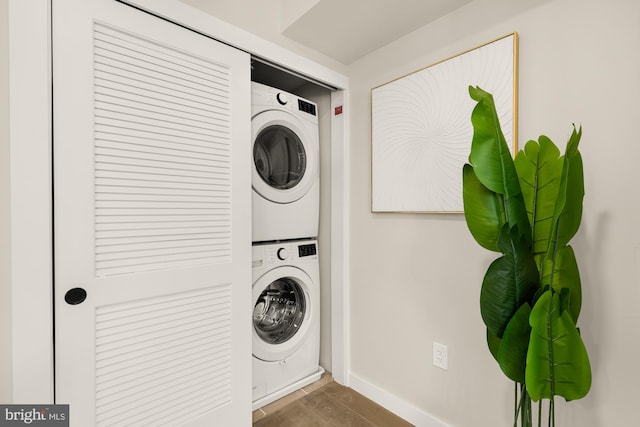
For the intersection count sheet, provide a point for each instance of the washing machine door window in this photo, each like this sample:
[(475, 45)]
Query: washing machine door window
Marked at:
[(285, 156), (279, 157), (279, 311), (282, 312)]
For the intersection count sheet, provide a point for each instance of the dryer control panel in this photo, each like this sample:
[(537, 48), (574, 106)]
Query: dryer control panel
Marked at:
[(265, 98)]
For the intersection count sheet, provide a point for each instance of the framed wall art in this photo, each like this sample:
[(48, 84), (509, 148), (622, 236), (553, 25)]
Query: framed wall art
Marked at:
[(421, 127)]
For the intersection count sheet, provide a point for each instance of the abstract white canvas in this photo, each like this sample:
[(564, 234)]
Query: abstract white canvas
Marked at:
[(421, 127)]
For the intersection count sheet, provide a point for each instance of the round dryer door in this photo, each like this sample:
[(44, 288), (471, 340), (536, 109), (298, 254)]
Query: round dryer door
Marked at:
[(281, 313), (284, 156)]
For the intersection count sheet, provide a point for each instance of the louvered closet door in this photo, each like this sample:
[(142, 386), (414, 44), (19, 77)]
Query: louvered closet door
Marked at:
[(152, 156)]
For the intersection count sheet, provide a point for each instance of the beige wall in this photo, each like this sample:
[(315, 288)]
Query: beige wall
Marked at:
[(5, 255), (416, 279)]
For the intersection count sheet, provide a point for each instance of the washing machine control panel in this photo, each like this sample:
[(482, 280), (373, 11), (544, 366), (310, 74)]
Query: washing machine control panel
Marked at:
[(289, 252)]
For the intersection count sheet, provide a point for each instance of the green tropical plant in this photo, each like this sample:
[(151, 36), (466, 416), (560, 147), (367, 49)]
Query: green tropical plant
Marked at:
[(528, 209)]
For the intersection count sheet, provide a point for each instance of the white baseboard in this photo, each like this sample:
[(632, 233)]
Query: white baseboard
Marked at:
[(394, 404)]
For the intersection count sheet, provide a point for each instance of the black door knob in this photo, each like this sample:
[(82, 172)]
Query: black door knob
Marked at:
[(75, 296)]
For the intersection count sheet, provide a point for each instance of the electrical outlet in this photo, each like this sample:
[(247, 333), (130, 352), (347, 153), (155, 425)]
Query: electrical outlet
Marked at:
[(440, 357)]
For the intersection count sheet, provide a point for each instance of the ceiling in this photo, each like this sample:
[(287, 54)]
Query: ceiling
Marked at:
[(347, 30), (344, 30)]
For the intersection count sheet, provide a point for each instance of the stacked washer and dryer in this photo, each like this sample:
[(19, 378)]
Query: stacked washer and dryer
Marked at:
[(286, 274)]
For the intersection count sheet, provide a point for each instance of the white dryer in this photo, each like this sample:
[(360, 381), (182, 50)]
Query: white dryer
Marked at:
[(285, 178), (286, 318)]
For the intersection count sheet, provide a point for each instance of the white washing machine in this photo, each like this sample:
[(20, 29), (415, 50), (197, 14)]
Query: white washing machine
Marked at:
[(286, 319), (285, 178)]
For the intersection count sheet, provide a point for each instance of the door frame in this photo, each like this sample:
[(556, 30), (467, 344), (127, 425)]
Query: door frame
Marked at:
[(31, 201), (31, 183)]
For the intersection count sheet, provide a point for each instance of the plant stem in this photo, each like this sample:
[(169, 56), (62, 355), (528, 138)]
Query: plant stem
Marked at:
[(517, 404), (523, 407), (515, 400), (540, 414), (526, 421), (552, 415)]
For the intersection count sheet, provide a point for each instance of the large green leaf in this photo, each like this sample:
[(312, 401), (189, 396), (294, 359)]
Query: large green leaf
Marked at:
[(510, 281), (512, 353), (557, 361), (562, 272), (492, 160), (568, 210), (490, 155), (539, 168), (483, 210), (493, 342)]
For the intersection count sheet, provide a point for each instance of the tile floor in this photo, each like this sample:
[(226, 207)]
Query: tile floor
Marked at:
[(325, 403)]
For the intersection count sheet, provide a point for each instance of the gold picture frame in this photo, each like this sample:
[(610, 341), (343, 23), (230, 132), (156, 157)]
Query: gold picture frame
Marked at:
[(421, 127)]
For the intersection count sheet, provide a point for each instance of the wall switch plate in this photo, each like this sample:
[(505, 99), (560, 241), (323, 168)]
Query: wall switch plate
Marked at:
[(440, 357)]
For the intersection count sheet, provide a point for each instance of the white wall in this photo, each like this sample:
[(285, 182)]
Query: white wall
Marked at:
[(5, 231), (416, 279)]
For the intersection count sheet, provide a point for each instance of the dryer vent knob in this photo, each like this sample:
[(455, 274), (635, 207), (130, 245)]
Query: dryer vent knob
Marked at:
[(282, 98)]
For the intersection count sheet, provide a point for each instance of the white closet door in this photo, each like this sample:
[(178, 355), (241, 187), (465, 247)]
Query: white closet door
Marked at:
[(151, 148)]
